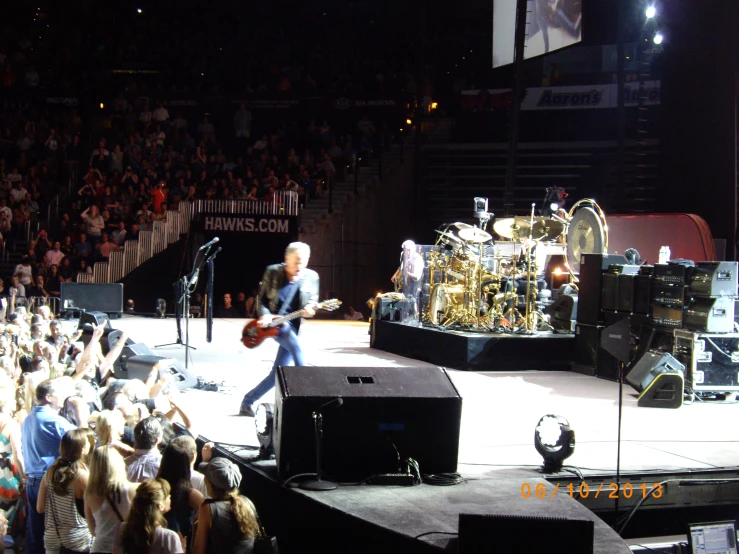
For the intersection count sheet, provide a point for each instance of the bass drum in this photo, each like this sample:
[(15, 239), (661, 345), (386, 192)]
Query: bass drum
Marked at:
[(444, 298)]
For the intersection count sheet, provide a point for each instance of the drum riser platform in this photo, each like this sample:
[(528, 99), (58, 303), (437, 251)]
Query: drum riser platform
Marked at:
[(476, 351)]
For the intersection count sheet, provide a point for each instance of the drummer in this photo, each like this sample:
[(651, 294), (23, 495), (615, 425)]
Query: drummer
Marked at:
[(517, 278), (410, 272)]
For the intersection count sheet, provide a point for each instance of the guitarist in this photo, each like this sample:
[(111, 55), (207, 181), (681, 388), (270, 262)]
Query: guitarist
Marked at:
[(285, 288)]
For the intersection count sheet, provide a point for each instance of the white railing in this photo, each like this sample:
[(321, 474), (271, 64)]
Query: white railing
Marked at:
[(176, 223)]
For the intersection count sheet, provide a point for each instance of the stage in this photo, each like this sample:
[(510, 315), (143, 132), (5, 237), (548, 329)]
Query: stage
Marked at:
[(479, 351), (496, 451)]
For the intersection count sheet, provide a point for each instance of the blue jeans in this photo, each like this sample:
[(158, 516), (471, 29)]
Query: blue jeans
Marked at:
[(35, 534), (289, 353)]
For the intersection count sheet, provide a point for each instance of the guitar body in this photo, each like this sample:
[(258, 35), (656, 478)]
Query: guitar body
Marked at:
[(252, 336)]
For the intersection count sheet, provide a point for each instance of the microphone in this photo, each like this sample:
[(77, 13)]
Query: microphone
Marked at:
[(209, 244)]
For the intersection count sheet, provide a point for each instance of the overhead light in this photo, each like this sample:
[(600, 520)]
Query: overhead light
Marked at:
[(408, 122), (138, 10), (161, 307), (102, 105), (651, 12), (434, 105), (264, 422), (555, 441), (658, 38)]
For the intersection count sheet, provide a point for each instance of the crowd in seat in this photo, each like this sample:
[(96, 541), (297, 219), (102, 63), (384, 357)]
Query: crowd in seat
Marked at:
[(92, 463)]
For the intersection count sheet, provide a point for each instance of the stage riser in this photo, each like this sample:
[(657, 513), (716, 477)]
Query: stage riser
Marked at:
[(476, 351)]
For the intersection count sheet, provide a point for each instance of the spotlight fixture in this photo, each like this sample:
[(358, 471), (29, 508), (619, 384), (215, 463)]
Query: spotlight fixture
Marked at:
[(161, 307), (651, 12), (658, 38), (555, 441), (264, 422)]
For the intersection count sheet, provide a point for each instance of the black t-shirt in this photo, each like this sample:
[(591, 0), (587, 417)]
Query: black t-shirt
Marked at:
[(221, 311)]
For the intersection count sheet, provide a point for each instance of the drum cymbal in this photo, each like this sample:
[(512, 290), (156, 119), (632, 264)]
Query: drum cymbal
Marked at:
[(547, 229), (475, 235), (449, 236), (512, 227)]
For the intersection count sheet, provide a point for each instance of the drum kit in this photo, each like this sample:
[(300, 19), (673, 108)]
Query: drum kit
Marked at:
[(473, 285)]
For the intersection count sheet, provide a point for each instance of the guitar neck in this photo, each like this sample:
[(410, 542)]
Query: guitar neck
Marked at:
[(282, 319)]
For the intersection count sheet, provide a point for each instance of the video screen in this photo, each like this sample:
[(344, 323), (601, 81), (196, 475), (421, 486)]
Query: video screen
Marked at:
[(713, 538), (550, 25)]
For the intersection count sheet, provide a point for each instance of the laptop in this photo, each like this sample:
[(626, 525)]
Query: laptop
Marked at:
[(718, 537)]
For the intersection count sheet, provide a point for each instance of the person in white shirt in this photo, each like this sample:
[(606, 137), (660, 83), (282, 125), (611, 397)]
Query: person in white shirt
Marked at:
[(144, 462), (54, 256), (160, 114), (353, 315)]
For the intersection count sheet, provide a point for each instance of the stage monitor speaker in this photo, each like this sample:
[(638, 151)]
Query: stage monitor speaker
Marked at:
[(563, 312), (140, 366), (114, 335), (95, 318), (104, 297), (512, 534), (387, 416), (660, 380), (130, 350), (590, 285)]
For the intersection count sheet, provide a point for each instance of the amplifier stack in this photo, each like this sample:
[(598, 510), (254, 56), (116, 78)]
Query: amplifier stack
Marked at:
[(684, 309)]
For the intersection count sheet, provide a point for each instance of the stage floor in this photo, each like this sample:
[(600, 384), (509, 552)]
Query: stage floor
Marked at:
[(496, 450), (500, 409)]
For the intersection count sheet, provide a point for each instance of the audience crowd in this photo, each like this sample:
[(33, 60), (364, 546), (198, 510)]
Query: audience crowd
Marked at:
[(97, 464)]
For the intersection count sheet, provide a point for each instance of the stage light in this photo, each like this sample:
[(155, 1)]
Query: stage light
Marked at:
[(138, 10), (264, 422), (554, 440), (658, 38), (102, 105), (408, 122), (434, 105), (651, 12), (161, 307)]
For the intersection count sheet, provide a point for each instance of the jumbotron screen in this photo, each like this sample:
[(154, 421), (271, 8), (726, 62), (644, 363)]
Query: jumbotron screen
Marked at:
[(550, 25)]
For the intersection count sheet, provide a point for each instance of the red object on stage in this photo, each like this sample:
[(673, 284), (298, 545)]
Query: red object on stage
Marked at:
[(687, 235)]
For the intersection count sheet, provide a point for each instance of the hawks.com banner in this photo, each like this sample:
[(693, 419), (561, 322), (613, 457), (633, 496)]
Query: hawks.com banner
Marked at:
[(220, 223)]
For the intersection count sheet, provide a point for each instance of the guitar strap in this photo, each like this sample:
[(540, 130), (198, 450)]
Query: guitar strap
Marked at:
[(288, 301)]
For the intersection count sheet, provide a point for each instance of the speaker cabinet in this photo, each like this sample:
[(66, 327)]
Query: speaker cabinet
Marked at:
[(103, 297), (592, 266), (387, 415), (137, 360), (590, 357), (660, 380)]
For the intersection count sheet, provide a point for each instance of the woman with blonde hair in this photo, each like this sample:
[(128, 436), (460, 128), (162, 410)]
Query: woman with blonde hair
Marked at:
[(109, 430), (61, 497), (108, 497), (227, 522), (145, 530)]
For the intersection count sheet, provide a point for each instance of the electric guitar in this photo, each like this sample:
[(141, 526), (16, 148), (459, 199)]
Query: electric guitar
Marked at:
[(252, 336)]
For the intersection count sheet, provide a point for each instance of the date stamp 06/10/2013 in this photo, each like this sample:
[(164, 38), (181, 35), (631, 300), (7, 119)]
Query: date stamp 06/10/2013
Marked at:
[(595, 490)]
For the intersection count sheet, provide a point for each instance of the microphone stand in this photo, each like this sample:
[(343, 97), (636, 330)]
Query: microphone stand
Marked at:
[(319, 484), (181, 285), (188, 283)]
